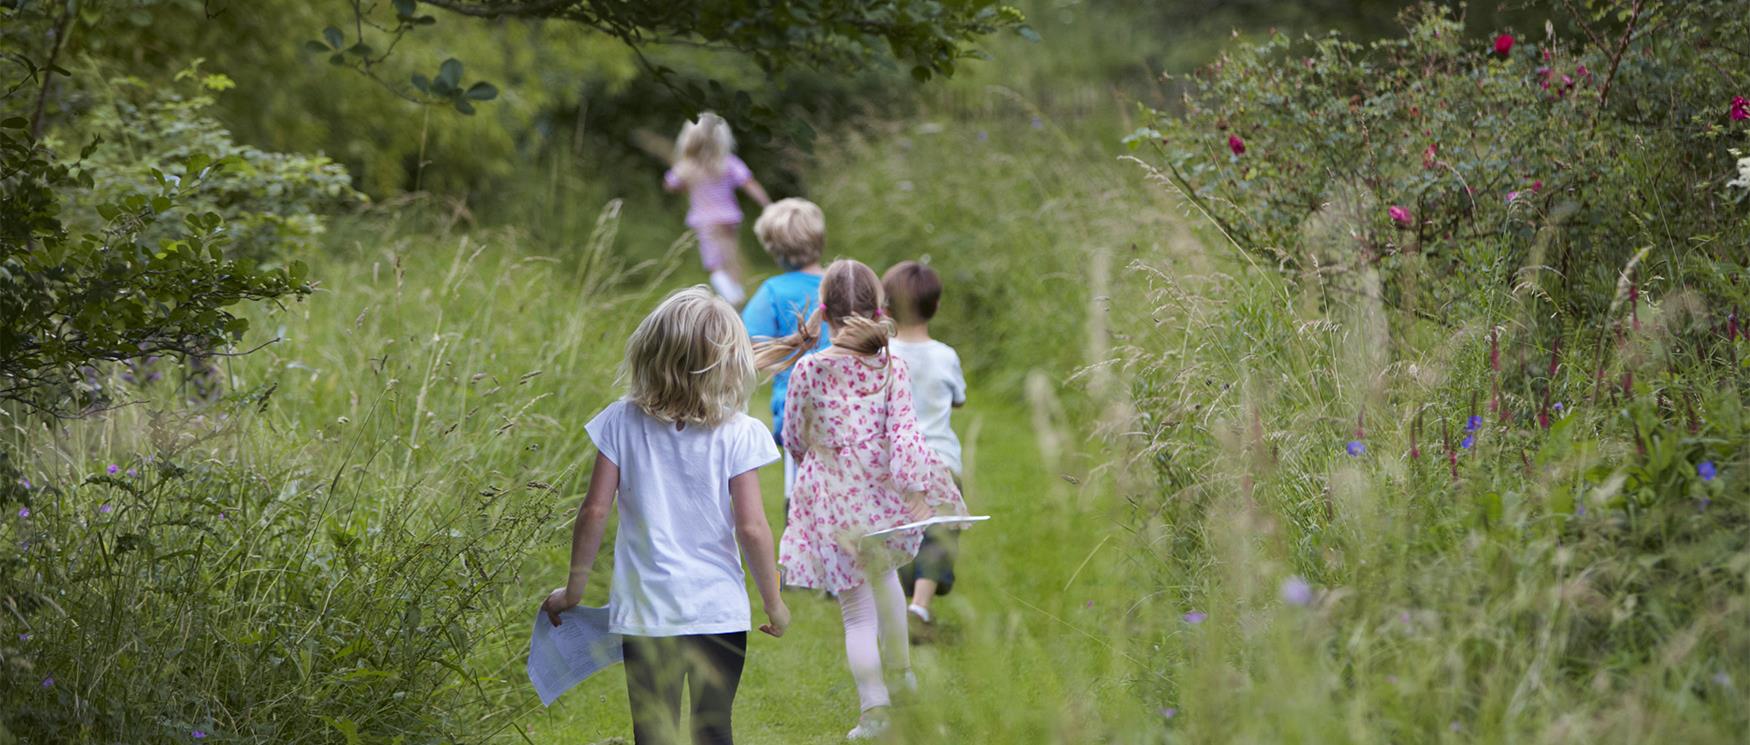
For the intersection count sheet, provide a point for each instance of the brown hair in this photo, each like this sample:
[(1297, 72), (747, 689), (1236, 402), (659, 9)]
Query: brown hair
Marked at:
[(690, 360), (913, 290), (851, 298)]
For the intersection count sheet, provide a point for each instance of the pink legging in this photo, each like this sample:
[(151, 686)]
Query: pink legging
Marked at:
[(875, 632)]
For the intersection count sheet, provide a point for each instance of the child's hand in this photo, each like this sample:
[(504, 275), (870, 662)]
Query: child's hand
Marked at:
[(777, 620), (917, 508), (558, 601)]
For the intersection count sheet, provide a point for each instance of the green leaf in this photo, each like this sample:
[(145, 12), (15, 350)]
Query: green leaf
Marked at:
[(90, 147), (16, 122), (464, 106), (404, 8), (449, 74), (334, 37), (482, 91), (421, 82), (337, 59), (315, 47), (920, 73), (361, 49), (160, 204)]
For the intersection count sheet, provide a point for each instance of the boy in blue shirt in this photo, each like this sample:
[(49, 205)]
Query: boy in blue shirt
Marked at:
[(793, 231)]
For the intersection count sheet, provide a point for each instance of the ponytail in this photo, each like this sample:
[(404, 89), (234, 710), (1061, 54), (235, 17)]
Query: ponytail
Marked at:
[(777, 355), (851, 295)]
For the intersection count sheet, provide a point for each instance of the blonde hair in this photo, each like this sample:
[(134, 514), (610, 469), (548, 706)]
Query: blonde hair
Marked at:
[(690, 360), (700, 149), (793, 231), (850, 301)]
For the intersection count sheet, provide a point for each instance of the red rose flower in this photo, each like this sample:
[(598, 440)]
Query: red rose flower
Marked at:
[(1504, 44)]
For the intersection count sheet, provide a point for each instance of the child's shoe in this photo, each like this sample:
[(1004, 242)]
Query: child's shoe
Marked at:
[(727, 287), (873, 725), (920, 624)]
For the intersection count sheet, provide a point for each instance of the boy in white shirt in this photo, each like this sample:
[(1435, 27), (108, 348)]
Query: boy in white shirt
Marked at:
[(938, 387)]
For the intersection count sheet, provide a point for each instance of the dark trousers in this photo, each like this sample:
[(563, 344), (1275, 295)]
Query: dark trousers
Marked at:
[(657, 667)]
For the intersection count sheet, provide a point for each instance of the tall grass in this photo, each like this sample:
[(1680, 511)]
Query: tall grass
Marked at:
[(1531, 586)]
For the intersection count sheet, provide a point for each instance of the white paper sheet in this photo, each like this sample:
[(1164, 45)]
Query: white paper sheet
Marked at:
[(580, 646), (938, 520)]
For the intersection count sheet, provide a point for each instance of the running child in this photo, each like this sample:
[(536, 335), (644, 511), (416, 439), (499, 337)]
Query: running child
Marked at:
[(938, 387), (863, 466), (681, 460), (705, 167), (793, 231)]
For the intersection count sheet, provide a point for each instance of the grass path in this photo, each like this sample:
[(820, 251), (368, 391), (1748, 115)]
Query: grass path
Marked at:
[(1009, 666)]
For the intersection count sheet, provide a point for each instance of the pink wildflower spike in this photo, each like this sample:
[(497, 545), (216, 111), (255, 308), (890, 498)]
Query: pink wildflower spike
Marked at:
[(1732, 326), (1537, 186), (1237, 145), (1740, 108), (1399, 215), (1504, 44)]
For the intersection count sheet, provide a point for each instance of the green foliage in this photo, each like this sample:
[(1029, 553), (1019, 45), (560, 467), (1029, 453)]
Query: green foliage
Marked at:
[(1441, 159), (146, 280), (273, 204)]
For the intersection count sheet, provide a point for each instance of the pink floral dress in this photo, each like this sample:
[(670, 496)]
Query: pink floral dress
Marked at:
[(848, 421)]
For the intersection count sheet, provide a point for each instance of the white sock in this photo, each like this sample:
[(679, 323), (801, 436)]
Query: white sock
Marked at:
[(727, 287), (922, 613)]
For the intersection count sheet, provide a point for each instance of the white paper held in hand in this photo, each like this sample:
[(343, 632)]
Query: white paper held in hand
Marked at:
[(562, 656), (938, 520)]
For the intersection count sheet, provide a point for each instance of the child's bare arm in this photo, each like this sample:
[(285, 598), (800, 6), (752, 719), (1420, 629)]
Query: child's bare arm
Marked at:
[(586, 536), (755, 537), (753, 189)]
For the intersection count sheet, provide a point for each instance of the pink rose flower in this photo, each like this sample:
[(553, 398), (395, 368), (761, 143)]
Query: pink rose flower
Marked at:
[(1504, 44)]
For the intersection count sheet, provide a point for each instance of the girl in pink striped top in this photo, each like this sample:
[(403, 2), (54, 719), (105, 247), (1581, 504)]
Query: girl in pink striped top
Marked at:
[(705, 167)]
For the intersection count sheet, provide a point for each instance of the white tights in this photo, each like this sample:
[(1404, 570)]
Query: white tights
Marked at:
[(875, 633)]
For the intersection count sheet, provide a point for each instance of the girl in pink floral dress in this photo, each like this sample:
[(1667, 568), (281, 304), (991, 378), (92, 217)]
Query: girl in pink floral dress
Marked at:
[(863, 466)]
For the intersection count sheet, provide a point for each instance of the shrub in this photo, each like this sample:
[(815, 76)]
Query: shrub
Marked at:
[(1431, 454), (175, 593)]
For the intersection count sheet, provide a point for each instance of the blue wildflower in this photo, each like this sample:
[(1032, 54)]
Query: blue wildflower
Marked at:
[(1355, 447), (1468, 441), (113, 469), (1706, 470), (1474, 423), (1296, 591)]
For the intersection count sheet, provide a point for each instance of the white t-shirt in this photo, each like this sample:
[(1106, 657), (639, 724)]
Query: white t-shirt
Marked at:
[(937, 386), (677, 569)]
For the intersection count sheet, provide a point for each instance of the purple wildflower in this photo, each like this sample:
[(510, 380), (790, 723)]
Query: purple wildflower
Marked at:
[(1168, 712), (1706, 470), (24, 512), (1468, 441), (24, 637), (113, 469), (1355, 447), (24, 482), (1556, 406), (133, 474), (104, 508), (48, 682), (1296, 591), (1196, 617), (1474, 423), (199, 734)]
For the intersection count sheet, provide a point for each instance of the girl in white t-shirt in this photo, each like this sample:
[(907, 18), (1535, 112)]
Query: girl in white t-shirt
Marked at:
[(680, 457)]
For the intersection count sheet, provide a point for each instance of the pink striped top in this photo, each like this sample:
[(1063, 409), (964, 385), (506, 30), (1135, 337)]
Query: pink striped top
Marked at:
[(713, 202)]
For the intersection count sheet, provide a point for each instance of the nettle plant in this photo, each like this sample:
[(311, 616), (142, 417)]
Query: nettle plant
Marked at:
[(1478, 165)]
